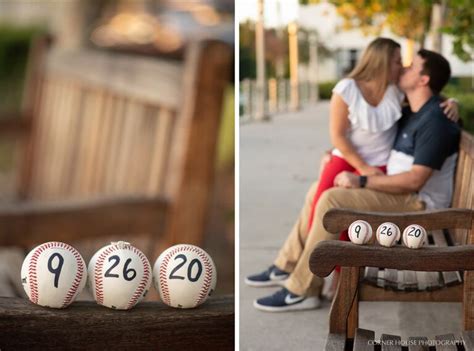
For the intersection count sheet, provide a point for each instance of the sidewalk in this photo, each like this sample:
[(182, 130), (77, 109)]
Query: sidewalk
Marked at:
[(278, 161)]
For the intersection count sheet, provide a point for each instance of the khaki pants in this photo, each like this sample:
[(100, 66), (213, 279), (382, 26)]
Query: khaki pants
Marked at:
[(294, 255)]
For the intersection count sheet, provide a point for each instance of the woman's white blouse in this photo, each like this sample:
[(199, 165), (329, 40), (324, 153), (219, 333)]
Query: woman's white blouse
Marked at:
[(373, 128)]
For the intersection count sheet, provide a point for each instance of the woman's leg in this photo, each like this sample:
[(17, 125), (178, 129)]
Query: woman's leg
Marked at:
[(326, 181)]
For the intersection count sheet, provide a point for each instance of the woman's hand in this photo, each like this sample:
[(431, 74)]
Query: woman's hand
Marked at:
[(451, 109), (324, 161), (369, 170)]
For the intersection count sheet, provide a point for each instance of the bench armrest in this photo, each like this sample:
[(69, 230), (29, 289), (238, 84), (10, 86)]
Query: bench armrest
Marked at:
[(30, 223), (329, 254), (337, 220)]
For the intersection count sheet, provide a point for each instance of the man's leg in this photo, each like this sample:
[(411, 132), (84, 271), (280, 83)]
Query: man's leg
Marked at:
[(291, 250), (301, 280)]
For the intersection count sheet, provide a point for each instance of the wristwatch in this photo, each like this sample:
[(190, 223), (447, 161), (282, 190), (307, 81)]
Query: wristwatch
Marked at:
[(362, 181)]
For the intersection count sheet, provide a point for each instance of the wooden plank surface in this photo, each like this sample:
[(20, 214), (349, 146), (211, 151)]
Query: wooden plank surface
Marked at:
[(452, 277), (418, 343), (391, 342), (328, 254), (86, 325), (468, 339), (448, 294), (32, 223), (336, 342), (364, 340), (341, 307), (446, 342), (150, 80)]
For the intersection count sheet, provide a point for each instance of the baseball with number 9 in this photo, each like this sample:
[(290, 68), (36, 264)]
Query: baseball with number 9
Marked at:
[(185, 276), (360, 232), (119, 275), (53, 274)]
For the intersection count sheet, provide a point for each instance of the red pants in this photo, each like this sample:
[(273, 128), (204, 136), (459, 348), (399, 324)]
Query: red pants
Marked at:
[(335, 166)]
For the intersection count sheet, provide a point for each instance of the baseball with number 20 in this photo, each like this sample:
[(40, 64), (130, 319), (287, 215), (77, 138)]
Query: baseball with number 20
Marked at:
[(185, 276)]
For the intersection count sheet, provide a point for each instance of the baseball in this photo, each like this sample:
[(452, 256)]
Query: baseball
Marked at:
[(360, 232), (414, 236), (185, 276), (119, 275), (53, 274), (388, 234)]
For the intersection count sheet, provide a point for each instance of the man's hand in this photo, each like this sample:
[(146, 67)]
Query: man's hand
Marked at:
[(347, 180)]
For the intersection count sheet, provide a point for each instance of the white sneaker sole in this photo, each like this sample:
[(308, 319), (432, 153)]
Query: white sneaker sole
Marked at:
[(310, 303), (269, 283)]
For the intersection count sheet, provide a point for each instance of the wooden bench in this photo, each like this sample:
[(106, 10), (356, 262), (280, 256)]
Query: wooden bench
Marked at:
[(437, 273), (116, 144)]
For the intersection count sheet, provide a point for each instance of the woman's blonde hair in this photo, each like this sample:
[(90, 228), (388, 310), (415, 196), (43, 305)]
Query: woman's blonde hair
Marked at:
[(375, 63)]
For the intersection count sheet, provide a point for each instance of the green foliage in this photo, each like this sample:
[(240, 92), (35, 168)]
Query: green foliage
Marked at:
[(325, 89), (462, 89), (14, 46), (410, 19), (461, 27)]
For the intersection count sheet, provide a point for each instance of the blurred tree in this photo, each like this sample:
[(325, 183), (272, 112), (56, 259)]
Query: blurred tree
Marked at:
[(276, 48), (413, 19)]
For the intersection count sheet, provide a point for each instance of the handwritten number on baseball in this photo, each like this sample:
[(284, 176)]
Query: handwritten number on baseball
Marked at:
[(190, 269), (386, 230), (116, 260), (126, 271), (181, 264), (56, 271), (414, 232), (128, 274), (357, 230)]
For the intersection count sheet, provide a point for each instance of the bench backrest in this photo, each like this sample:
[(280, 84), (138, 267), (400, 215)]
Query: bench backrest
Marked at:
[(107, 124), (464, 184)]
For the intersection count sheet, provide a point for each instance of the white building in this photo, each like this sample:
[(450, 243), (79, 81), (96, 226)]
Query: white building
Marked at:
[(348, 45)]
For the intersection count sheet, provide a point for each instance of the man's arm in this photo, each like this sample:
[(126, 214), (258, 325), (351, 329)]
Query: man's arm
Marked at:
[(406, 182)]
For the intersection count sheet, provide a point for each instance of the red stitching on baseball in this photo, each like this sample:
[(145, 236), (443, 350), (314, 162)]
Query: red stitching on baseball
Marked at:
[(207, 274), (32, 274), (143, 283), (78, 279), (99, 288)]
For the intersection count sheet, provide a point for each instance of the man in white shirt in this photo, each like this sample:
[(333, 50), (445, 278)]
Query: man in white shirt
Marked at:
[(420, 174)]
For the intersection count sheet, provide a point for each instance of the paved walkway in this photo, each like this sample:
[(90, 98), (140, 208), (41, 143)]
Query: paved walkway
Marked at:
[(278, 161)]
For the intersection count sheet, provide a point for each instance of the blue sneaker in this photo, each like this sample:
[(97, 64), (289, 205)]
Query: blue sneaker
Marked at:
[(284, 300), (273, 276)]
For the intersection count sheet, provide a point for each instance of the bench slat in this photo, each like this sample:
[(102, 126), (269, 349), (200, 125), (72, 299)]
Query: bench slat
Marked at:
[(336, 342), (362, 338), (150, 325), (410, 283), (391, 278), (452, 277), (447, 342), (391, 342), (418, 343), (468, 339)]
